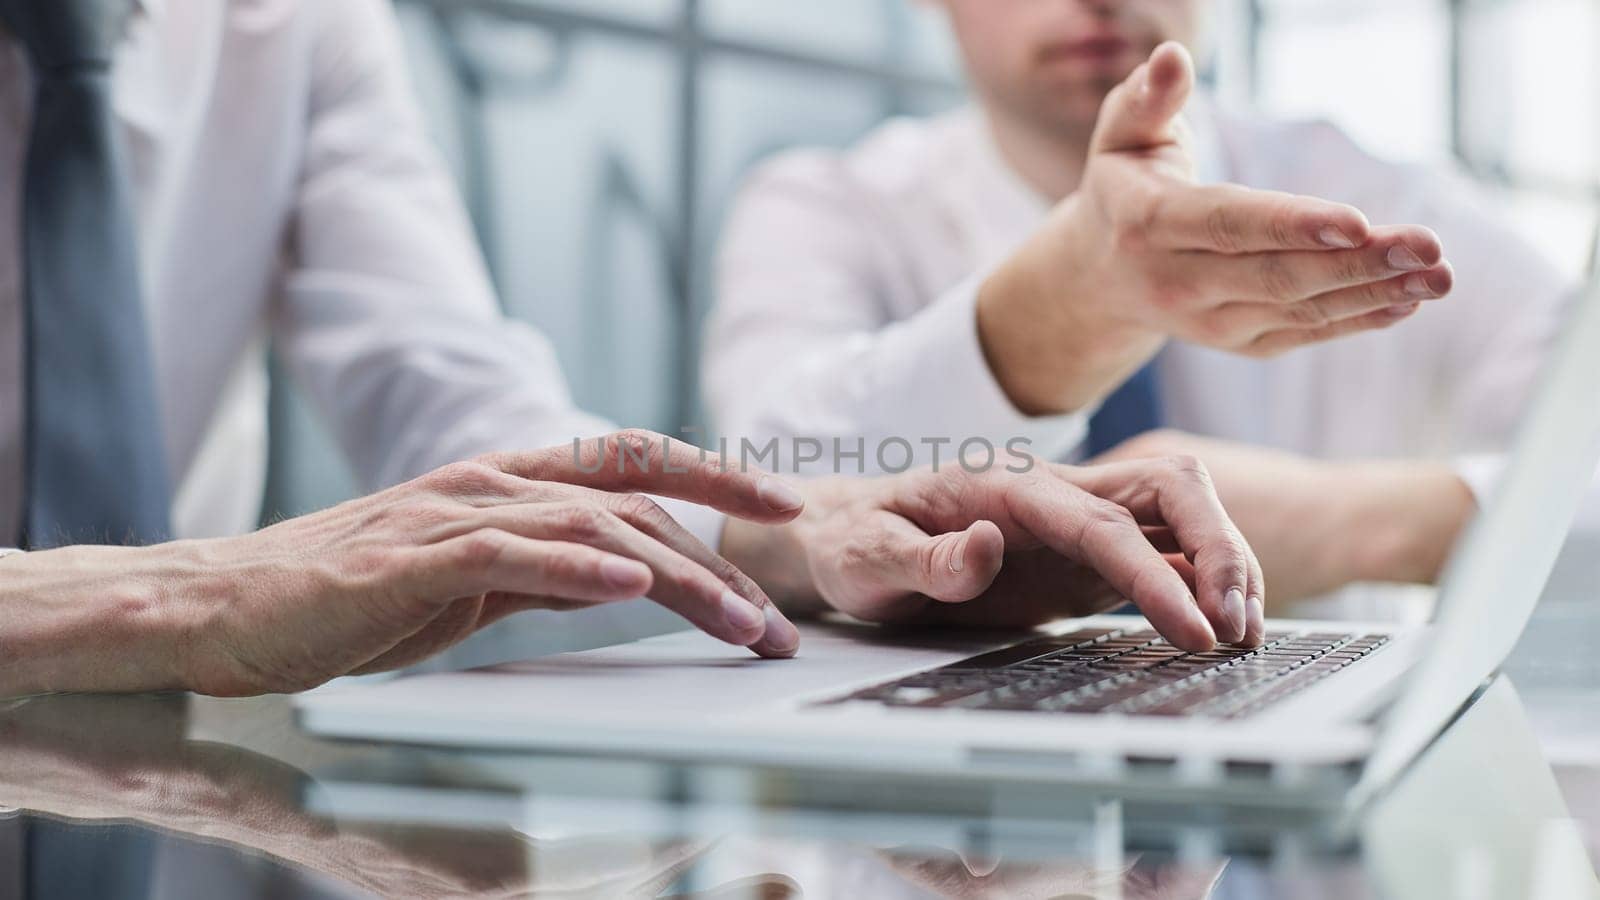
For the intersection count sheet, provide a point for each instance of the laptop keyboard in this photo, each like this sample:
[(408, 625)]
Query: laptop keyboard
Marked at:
[(1128, 671)]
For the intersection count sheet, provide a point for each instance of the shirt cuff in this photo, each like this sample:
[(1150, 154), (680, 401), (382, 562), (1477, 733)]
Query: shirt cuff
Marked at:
[(958, 373), (1483, 473)]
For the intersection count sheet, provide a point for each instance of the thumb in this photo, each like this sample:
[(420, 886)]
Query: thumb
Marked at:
[(950, 568), (1142, 111)]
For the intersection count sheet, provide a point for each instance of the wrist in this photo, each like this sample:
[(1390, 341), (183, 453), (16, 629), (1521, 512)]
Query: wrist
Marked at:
[(94, 619), (1400, 520), (779, 557), (1053, 338)]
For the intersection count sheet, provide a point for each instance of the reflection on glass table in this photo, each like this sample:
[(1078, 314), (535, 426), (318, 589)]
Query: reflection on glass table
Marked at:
[(180, 797)]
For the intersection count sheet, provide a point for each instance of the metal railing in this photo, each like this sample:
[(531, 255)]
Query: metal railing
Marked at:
[(891, 74)]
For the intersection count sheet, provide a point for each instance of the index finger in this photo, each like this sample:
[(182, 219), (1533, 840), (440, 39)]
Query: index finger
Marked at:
[(1105, 536), (644, 462), (1177, 493), (1227, 218)]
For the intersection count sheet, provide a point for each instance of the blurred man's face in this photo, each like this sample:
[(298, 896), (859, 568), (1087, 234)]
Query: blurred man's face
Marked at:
[(1052, 62)]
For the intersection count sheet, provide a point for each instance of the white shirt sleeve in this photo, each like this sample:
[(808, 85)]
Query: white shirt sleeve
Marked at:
[(802, 343), (387, 319)]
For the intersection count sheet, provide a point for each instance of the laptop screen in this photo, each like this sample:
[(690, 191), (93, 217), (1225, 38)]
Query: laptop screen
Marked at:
[(1499, 567)]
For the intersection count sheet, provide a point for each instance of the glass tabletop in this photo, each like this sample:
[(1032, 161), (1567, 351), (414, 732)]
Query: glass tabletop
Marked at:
[(182, 796), (177, 796)]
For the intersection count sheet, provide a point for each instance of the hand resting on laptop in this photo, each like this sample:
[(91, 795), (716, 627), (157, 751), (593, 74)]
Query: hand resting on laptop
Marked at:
[(388, 580)]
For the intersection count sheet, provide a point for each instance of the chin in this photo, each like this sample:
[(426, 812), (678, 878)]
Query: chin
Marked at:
[(1072, 112)]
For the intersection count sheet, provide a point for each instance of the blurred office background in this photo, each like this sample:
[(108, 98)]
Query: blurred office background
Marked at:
[(598, 141)]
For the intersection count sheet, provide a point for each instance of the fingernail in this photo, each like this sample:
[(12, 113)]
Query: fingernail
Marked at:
[(958, 556), (1257, 615), (776, 493), (1233, 613), (1400, 312), (741, 614), (1417, 286), (782, 636), (1405, 259), (623, 573), (1334, 236)]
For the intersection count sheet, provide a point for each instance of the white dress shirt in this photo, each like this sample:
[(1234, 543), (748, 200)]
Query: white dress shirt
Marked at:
[(846, 294), (285, 188)]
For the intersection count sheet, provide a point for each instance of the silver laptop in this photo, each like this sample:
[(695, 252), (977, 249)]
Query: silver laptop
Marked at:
[(1331, 708)]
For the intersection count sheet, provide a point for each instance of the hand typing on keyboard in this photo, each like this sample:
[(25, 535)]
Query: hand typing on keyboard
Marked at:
[(1002, 548)]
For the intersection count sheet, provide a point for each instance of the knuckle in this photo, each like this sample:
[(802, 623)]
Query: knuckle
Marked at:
[(1278, 281), (1138, 217), (641, 509), (1129, 239), (1375, 320), (569, 567), (1111, 515), (635, 437), (635, 444), (480, 550), (1310, 312), (1189, 468), (713, 476), (1334, 330), (468, 477), (728, 574), (1103, 519), (1366, 297), (1280, 225), (1171, 293), (1350, 268), (1233, 550), (1224, 229), (423, 515), (1273, 344), (955, 488), (689, 579), (1218, 328), (584, 523)]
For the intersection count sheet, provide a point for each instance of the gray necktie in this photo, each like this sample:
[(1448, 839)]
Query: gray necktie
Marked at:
[(96, 469)]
